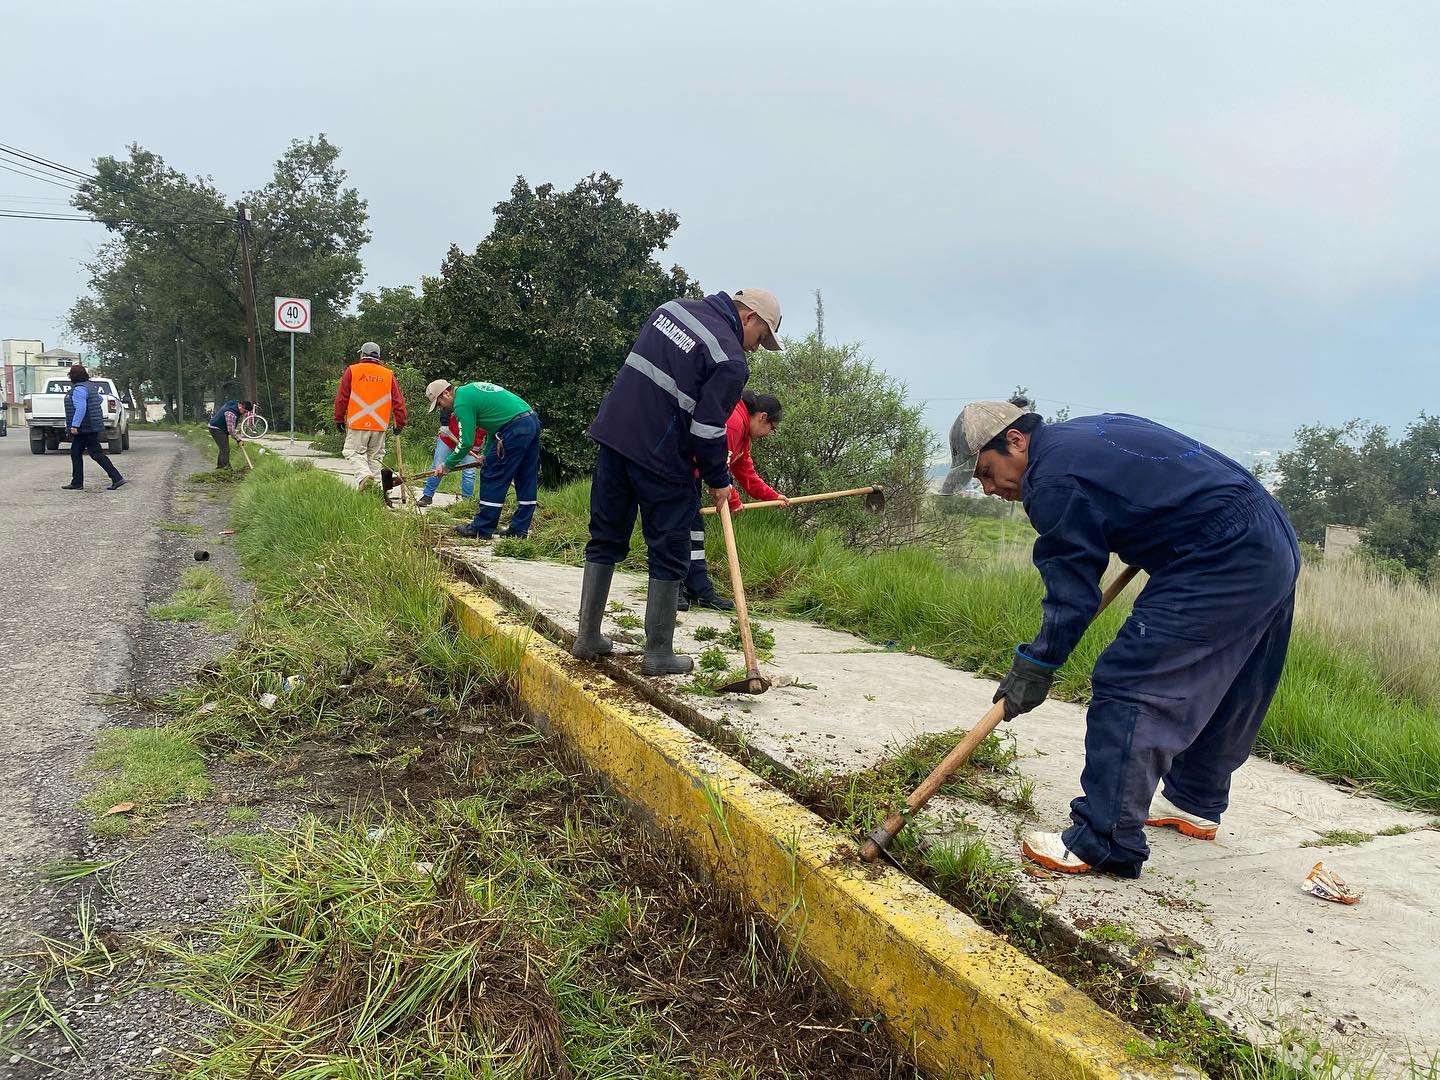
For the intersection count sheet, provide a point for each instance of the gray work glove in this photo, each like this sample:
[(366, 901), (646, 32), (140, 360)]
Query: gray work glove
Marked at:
[(1024, 686)]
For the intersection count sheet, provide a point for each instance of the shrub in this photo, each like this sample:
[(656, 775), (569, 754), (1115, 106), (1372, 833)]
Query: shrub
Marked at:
[(845, 425)]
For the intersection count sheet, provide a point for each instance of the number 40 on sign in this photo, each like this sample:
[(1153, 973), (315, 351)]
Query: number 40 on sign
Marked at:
[(292, 316)]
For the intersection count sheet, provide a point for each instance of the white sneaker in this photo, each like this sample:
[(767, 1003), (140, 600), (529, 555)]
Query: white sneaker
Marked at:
[(1165, 814), (1049, 850)]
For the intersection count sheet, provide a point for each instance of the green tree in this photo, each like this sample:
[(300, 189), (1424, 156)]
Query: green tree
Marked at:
[(547, 305), (172, 269), (845, 425), (322, 358), (1335, 476)]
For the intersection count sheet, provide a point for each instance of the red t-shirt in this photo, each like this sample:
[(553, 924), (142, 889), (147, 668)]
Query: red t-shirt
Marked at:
[(450, 435)]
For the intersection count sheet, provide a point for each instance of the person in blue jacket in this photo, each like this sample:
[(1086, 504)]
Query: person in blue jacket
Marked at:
[(664, 419), (85, 420), (1179, 695)]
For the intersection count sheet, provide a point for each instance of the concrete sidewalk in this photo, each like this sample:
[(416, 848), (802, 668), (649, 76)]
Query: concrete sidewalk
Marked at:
[(301, 451), (1254, 951)]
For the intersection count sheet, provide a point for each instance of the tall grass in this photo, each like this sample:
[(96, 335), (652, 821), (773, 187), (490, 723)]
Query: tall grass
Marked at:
[(1393, 626), (1359, 701), (351, 577)]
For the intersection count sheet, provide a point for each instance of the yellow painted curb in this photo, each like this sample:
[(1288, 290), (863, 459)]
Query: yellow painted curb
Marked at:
[(964, 1002)]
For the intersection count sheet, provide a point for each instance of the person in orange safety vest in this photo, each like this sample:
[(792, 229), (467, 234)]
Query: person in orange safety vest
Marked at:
[(368, 398)]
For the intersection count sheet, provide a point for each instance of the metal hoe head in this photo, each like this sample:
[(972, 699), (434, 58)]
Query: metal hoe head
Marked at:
[(875, 501), (752, 683), (388, 478)]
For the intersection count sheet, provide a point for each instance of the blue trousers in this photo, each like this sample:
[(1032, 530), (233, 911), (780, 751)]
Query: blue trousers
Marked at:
[(513, 457), (620, 490), (697, 577), (1180, 694), (467, 478)]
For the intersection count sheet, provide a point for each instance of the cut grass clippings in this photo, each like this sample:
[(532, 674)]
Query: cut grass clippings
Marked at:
[(203, 596), (1334, 715)]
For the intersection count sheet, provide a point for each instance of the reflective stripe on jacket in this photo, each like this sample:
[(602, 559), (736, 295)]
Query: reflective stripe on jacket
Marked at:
[(370, 400), (673, 395)]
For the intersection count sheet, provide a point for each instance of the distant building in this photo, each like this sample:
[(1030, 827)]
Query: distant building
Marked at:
[(1342, 540), (28, 366), (18, 355)]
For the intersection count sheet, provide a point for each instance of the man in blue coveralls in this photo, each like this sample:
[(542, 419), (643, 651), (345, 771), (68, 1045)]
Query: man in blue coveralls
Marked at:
[(664, 419), (1180, 694)]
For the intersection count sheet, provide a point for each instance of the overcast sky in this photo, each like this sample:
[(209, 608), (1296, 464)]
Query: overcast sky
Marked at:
[(1222, 215)]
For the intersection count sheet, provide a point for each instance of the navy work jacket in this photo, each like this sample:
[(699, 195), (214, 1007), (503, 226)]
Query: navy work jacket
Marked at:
[(1120, 483), (667, 408)]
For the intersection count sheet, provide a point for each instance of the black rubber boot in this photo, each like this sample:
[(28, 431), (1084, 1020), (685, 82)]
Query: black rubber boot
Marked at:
[(660, 655), (594, 592), (714, 601)]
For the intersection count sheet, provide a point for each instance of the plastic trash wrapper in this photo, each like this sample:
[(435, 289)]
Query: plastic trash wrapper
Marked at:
[(1328, 885)]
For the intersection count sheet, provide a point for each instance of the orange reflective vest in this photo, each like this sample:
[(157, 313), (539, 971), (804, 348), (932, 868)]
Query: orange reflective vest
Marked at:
[(369, 408)]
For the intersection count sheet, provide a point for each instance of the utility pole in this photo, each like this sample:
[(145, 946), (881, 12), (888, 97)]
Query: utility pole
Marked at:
[(252, 385), (179, 379)]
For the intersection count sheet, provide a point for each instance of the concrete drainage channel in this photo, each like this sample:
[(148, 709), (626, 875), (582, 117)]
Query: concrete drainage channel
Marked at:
[(960, 999)]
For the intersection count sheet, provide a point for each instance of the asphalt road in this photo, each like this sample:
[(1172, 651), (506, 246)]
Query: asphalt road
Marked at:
[(73, 568)]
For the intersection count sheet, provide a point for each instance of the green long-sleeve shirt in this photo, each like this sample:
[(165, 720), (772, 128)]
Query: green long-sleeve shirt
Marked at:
[(482, 405)]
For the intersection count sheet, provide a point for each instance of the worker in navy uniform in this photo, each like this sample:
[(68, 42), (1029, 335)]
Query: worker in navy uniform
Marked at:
[(1179, 695), (662, 421)]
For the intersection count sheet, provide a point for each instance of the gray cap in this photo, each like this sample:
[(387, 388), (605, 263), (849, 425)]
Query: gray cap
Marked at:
[(977, 424), (369, 349)]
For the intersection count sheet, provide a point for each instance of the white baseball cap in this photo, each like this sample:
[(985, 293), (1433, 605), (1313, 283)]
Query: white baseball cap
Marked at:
[(434, 389), (977, 424), (765, 305)]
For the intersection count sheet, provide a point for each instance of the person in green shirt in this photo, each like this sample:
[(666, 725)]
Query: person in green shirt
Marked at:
[(511, 452)]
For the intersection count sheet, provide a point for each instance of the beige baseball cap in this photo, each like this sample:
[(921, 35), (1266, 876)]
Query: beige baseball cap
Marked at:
[(767, 307), (434, 389), (977, 424)]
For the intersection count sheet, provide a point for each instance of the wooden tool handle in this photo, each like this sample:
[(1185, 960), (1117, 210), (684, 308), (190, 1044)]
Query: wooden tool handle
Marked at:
[(432, 472), (870, 850), (917, 799), (400, 465), (737, 588), (801, 499)]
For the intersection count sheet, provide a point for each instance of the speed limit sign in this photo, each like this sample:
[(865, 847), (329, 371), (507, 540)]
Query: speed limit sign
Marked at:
[(292, 315)]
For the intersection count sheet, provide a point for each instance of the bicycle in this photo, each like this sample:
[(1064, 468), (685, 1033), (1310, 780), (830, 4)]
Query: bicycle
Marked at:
[(254, 426)]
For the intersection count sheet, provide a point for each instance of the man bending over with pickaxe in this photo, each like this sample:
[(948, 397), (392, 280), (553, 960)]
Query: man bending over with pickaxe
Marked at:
[(1180, 694)]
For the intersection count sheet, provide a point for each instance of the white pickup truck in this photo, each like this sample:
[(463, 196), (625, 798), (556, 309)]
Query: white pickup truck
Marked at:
[(45, 414)]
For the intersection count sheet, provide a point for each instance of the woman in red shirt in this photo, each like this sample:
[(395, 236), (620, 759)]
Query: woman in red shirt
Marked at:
[(755, 417)]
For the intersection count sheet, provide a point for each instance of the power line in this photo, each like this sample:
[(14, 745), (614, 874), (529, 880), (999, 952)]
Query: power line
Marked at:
[(23, 159), (157, 226), (37, 215), (44, 163), (37, 176)]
